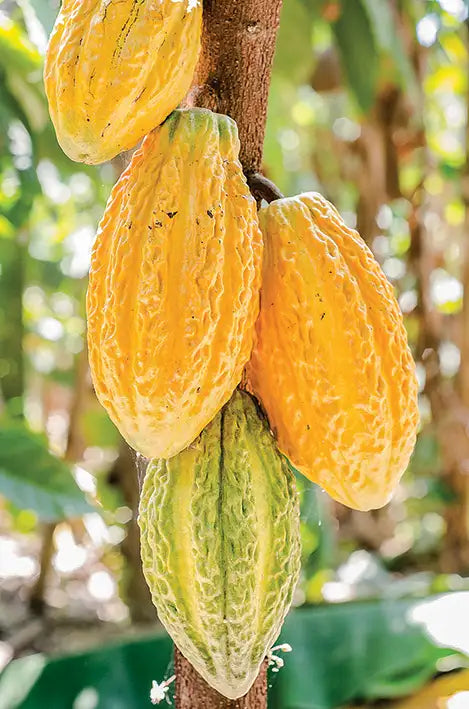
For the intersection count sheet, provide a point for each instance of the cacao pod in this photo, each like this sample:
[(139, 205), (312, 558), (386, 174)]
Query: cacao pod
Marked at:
[(174, 285), (220, 545), (115, 69), (331, 366)]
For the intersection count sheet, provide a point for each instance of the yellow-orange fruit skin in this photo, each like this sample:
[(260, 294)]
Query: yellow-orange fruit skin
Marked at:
[(331, 365), (174, 284), (115, 69)]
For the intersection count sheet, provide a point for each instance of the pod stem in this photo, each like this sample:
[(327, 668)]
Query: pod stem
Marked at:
[(262, 188), (194, 693)]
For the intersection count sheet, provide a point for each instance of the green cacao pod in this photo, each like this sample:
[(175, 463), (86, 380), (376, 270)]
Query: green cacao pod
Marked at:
[(220, 545)]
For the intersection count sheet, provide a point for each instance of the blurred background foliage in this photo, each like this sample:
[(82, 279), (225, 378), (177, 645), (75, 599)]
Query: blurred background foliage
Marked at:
[(369, 105)]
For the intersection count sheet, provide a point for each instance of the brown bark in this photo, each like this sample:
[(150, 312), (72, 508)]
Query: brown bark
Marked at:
[(233, 76), (192, 691)]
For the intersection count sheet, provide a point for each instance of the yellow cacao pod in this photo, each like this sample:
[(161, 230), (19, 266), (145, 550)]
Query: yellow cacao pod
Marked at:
[(221, 545), (115, 69), (174, 285), (331, 366)]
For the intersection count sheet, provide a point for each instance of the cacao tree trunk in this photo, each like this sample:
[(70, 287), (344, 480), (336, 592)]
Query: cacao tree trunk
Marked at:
[(192, 691), (233, 77)]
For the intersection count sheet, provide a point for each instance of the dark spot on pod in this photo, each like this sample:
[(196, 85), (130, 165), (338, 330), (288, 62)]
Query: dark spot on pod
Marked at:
[(171, 214), (323, 316), (210, 213), (158, 223)]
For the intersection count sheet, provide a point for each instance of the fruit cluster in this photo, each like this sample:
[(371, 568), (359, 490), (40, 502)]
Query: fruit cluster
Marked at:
[(190, 287)]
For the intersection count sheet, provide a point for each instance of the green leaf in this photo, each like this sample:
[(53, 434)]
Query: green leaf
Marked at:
[(358, 52), (347, 651), (33, 478), (390, 42), (120, 675), (16, 685), (21, 67)]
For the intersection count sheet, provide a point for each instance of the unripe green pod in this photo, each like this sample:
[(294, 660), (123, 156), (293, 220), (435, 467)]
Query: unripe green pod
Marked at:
[(220, 545)]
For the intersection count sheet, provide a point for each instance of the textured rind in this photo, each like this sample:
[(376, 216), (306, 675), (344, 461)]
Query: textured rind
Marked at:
[(220, 545), (174, 284), (115, 69), (331, 364)]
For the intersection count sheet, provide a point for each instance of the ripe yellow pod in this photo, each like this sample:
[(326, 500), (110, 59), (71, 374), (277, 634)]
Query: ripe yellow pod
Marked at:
[(174, 285), (331, 366), (115, 69)]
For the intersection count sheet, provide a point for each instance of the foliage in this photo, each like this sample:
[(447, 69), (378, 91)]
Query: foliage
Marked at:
[(32, 478)]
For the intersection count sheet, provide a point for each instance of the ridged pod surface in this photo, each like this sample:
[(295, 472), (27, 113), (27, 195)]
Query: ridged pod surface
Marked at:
[(220, 545), (115, 69), (331, 366), (174, 284)]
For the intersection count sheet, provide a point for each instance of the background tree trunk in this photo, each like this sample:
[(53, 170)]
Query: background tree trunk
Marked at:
[(73, 452), (456, 556), (124, 474)]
